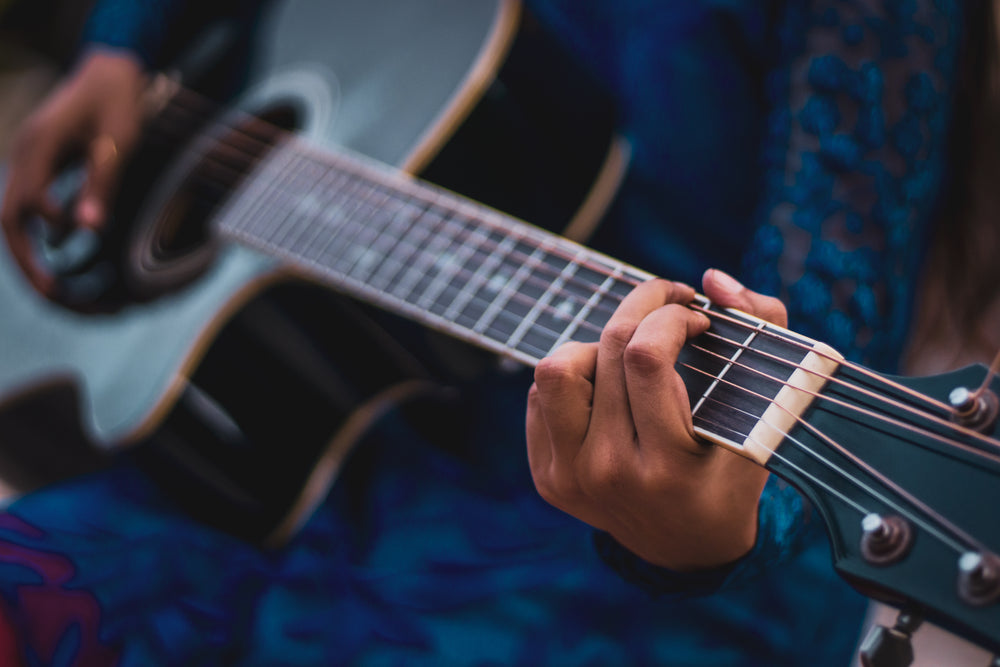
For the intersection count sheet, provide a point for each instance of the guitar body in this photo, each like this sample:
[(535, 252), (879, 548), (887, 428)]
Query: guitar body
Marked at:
[(217, 371)]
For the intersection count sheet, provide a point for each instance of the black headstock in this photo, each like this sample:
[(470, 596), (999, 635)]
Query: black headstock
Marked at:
[(909, 487)]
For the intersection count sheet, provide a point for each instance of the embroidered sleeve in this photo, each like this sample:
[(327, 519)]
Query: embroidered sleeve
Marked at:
[(853, 158)]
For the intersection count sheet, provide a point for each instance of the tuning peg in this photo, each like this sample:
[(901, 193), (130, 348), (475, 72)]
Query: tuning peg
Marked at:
[(891, 647)]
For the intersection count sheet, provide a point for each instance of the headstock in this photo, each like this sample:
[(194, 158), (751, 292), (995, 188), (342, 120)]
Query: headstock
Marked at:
[(906, 474)]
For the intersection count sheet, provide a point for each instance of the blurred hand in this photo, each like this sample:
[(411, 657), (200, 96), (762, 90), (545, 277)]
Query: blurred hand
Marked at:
[(611, 441), (94, 114)]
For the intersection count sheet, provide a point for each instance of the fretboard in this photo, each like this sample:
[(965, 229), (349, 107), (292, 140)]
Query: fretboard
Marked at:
[(459, 267)]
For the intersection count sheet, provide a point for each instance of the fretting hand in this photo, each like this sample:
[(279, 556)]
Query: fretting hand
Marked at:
[(95, 114), (611, 441)]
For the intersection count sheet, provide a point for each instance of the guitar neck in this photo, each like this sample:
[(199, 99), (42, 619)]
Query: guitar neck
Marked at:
[(489, 279)]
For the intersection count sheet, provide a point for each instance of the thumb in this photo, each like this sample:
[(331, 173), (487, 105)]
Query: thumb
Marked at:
[(726, 291)]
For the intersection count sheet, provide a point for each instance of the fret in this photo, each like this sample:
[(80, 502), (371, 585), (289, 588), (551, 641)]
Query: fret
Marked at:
[(473, 300), (530, 338), (260, 187), (569, 333), (496, 285), (422, 276), (342, 243), (365, 253), (255, 214), (515, 295), (282, 221), (440, 292), (393, 245), (604, 306), (417, 252), (309, 209), (742, 373), (338, 220), (576, 300), (539, 270), (737, 353)]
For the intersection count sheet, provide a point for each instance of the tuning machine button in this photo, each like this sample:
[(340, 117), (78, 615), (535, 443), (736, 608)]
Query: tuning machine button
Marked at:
[(977, 410), (891, 647), (979, 578), (885, 540)]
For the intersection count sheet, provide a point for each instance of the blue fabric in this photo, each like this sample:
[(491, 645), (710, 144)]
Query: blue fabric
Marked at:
[(764, 145)]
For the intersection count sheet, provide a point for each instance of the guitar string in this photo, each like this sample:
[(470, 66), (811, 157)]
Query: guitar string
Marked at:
[(990, 374), (940, 421), (885, 419), (328, 157), (585, 324), (840, 448), (515, 256), (629, 279), (535, 279), (718, 426), (940, 520)]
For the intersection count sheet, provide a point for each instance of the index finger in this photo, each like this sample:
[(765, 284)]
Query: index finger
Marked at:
[(612, 411)]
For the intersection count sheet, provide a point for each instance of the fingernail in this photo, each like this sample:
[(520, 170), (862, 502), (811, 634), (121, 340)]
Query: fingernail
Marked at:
[(726, 282)]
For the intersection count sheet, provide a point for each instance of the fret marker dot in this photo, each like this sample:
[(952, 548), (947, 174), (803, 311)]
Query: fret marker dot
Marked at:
[(498, 281)]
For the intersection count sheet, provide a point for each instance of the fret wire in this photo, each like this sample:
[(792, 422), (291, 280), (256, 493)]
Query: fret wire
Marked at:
[(542, 302), (373, 242), (581, 314), (449, 269), (311, 207), (718, 378), (413, 249), (517, 281), (474, 281), (242, 209), (344, 238), (358, 261), (260, 217), (279, 232), (400, 225), (504, 293), (427, 257), (337, 221)]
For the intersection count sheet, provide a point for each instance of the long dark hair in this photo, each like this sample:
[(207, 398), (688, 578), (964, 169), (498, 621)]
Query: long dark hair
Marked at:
[(958, 309)]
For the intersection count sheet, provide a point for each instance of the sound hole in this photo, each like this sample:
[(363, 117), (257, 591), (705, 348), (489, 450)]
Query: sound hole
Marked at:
[(173, 242)]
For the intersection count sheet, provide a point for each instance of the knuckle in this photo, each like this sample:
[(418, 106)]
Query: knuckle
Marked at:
[(645, 358), (616, 335), (552, 374), (556, 487)]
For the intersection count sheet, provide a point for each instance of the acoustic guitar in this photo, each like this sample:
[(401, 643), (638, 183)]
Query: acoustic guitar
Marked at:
[(301, 213)]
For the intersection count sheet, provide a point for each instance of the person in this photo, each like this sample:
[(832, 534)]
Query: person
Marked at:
[(800, 146)]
